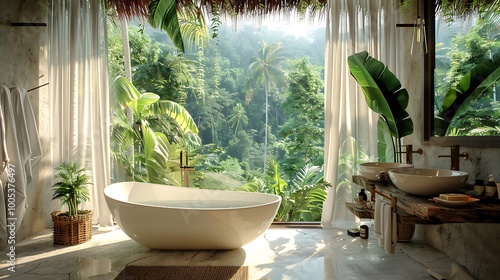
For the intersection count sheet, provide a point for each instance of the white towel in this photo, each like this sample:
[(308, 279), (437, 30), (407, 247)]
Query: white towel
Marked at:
[(377, 217), (387, 228), (27, 131), (385, 222), (390, 230)]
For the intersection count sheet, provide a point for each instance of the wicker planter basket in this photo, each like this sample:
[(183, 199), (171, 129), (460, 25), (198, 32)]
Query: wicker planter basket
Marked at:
[(72, 231)]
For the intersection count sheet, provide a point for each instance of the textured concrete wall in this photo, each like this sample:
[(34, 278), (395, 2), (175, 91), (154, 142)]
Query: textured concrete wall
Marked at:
[(23, 63)]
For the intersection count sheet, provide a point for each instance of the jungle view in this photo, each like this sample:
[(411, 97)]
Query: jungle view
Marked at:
[(215, 101), (466, 75)]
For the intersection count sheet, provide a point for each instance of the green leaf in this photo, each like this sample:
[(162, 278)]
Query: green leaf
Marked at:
[(383, 92), (149, 139), (163, 14), (178, 113), (123, 92), (459, 98), (278, 185), (145, 100), (385, 143)]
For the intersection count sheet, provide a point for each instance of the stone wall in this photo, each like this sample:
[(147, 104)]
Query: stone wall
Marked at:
[(23, 63)]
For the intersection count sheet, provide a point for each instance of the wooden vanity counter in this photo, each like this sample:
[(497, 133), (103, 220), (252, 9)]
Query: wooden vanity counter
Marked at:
[(420, 210)]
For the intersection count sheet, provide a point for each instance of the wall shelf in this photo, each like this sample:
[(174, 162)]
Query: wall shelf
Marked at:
[(419, 210)]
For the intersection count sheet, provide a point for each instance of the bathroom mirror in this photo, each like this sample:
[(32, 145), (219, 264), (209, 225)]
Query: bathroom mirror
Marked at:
[(452, 46)]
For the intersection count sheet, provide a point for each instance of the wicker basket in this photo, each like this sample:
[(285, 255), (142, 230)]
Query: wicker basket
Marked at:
[(72, 231)]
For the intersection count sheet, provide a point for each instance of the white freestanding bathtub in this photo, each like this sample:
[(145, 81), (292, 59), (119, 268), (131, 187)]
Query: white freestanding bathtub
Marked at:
[(168, 217)]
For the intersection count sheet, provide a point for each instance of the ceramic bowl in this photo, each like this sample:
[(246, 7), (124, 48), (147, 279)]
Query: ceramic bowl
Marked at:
[(428, 182), (377, 171)]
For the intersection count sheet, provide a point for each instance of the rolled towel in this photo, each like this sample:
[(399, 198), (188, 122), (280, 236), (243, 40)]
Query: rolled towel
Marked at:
[(377, 216), (382, 224), (387, 228)]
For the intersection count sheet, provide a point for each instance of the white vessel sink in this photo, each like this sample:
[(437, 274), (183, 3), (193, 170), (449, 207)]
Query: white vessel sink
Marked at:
[(377, 171), (428, 182)]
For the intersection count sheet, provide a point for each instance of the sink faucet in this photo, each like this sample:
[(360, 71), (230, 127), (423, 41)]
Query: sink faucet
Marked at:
[(409, 153), (455, 157), (185, 168)]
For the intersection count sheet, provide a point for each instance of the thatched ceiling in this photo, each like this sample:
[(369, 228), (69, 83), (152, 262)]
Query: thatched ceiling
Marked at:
[(139, 8), (460, 8)]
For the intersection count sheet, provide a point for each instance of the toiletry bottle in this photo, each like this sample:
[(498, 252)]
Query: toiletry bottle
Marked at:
[(479, 186), (491, 186), (362, 196), (363, 231)]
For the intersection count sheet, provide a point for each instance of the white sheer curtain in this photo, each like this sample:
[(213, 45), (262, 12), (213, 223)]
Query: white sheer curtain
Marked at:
[(79, 102), (350, 126)]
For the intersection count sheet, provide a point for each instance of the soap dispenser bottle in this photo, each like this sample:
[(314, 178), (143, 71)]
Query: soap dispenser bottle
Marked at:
[(491, 186)]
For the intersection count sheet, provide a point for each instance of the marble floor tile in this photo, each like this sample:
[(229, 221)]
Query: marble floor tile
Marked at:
[(280, 253)]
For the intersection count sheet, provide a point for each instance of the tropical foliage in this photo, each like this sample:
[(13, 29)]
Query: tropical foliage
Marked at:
[(71, 187), (302, 135), (159, 131), (230, 118), (302, 197), (466, 77), (459, 99), (265, 70), (385, 96)]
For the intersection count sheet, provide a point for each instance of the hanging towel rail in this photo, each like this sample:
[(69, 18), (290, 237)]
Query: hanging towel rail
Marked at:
[(37, 87), (41, 24), (394, 200)]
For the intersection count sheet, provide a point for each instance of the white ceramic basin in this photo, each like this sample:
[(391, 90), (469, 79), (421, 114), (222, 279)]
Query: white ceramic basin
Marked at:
[(377, 171), (428, 182)]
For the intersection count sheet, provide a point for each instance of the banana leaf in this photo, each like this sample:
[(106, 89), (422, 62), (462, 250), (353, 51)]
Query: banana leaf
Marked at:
[(383, 92), (163, 14), (458, 100), (385, 145), (123, 92)]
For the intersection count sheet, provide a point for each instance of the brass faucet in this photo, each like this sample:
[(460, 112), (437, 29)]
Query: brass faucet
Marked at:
[(409, 153), (455, 157), (185, 168)]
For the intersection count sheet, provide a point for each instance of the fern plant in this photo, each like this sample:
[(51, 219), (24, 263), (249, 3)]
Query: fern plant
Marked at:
[(302, 198), (71, 188)]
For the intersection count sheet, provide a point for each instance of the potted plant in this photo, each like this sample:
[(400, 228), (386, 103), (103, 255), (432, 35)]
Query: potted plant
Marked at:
[(73, 226)]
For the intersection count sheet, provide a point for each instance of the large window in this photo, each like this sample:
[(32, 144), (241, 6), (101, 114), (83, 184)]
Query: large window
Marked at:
[(255, 93)]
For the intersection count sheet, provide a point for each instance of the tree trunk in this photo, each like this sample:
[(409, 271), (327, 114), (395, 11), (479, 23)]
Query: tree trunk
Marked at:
[(265, 130), (128, 74)]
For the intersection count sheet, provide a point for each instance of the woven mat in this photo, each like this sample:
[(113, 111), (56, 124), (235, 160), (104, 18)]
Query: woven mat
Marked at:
[(184, 273)]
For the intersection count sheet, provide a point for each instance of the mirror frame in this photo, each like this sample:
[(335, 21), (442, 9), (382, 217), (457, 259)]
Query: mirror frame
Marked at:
[(428, 92)]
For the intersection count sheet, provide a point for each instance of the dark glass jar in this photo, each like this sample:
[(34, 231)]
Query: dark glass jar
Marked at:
[(363, 232), (362, 196)]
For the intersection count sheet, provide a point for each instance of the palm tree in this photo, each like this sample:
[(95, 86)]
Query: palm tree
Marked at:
[(238, 117), (265, 69)]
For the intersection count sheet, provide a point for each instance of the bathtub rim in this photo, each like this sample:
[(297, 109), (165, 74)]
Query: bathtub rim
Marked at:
[(107, 189)]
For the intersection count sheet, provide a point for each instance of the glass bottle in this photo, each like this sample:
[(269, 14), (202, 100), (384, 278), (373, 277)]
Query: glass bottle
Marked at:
[(363, 231), (362, 196)]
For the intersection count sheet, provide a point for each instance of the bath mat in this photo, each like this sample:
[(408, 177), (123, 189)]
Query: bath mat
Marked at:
[(184, 273)]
